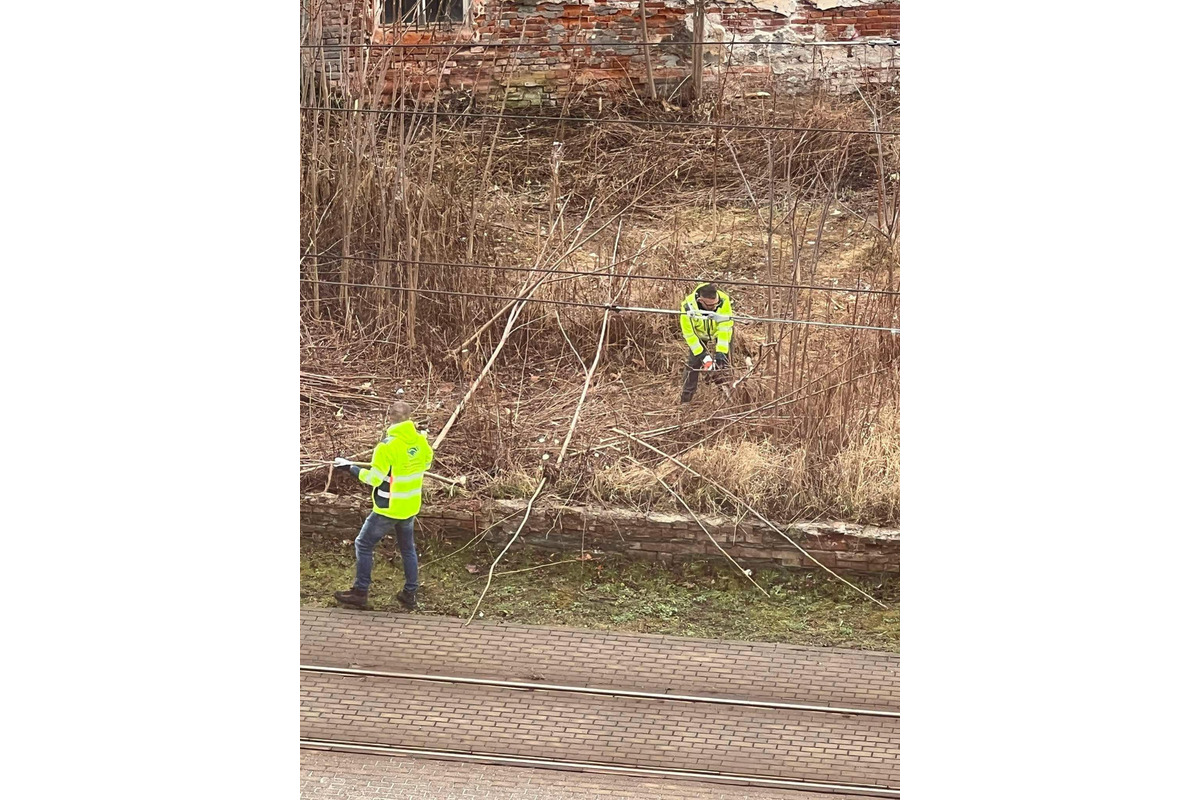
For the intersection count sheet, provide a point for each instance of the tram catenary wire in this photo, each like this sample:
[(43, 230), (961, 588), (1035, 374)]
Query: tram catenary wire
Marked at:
[(333, 258), (740, 318), (597, 120)]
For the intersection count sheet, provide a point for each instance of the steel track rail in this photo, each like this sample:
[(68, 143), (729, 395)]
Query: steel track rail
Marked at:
[(341, 746), (727, 701)]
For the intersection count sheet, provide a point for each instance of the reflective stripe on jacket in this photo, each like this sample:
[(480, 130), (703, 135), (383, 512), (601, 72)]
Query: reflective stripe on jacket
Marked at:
[(699, 324), (397, 468)]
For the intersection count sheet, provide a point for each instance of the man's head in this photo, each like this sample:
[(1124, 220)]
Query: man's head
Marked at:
[(399, 412), (706, 295)]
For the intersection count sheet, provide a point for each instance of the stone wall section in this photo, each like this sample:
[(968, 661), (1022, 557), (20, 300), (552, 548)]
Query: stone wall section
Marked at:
[(845, 547)]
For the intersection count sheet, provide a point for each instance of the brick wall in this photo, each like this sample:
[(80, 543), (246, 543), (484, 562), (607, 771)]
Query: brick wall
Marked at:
[(665, 537), (545, 70)]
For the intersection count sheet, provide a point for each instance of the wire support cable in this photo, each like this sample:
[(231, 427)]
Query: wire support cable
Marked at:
[(590, 120), (333, 259), (609, 306)]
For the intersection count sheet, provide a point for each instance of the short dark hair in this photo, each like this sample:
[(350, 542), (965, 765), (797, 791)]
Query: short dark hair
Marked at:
[(707, 290), (400, 411)]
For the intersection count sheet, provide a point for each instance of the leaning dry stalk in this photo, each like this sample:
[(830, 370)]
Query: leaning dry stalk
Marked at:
[(587, 382), (508, 328), (491, 571), (749, 508), (575, 245), (683, 503), (542, 483), (528, 290), (475, 385), (587, 379)]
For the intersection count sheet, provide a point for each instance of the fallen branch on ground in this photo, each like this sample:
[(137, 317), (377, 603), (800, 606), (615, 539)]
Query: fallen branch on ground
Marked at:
[(542, 566)]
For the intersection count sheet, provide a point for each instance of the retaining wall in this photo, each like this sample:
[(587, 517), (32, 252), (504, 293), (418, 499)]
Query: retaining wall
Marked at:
[(842, 546)]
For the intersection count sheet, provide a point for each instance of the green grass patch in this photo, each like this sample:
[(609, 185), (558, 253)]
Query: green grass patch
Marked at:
[(610, 592)]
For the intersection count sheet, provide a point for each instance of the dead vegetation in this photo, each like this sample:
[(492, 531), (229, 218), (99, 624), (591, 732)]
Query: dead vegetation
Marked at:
[(392, 205)]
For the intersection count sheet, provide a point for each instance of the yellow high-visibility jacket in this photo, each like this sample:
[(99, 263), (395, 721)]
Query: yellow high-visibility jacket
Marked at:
[(397, 468), (699, 324)]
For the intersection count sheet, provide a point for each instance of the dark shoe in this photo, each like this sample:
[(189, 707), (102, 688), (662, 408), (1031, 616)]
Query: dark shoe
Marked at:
[(353, 597), (407, 599)]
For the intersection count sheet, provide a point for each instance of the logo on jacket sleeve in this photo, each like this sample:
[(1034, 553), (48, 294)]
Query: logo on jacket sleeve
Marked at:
[(412, 451)]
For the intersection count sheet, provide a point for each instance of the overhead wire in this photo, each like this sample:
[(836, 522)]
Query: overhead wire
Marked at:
[(723, 281), (598, 121), (608, 306), (884, 42)]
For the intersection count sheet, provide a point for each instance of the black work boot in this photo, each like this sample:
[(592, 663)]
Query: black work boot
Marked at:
[(407, 599), (352, 597)]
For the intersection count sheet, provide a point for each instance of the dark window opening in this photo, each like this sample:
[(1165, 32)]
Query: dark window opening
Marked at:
[(421, 12)]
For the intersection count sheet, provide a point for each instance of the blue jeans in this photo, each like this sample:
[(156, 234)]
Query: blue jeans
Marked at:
[(373, 530)]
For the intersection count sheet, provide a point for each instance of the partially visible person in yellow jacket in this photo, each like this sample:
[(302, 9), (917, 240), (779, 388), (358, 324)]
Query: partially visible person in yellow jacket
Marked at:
[(397, 469), (706, 317)]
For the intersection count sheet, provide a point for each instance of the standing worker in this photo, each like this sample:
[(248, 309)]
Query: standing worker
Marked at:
[(397, 468), (706, 317)]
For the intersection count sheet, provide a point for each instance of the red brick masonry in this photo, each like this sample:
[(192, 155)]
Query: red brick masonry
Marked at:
[(546, 72)]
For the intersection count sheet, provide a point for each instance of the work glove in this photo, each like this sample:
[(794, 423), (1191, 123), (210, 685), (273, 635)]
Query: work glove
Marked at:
[(707, 363), (339, 463), (722, 360)]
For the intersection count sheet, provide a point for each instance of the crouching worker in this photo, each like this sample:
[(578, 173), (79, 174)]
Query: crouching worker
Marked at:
[(397, 468), (706, 317)]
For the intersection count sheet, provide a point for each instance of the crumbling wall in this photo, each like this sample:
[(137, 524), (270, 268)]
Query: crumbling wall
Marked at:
[(841, 546), (549, 67)]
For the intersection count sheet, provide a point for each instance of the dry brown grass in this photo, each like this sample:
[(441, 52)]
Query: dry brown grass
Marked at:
[(864, 478), (379, 192), (860, 483)]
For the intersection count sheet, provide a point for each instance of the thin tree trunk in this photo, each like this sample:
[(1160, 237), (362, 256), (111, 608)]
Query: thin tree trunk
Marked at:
[(697, 51), (649, 66)]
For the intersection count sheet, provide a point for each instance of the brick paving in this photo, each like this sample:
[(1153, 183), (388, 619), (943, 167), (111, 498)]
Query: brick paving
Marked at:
[(803, 745), (347, 776), (799, 745), (420, 643)]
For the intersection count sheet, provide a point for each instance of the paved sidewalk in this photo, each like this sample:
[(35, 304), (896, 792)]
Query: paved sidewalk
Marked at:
[(346, 776), (420, 643)]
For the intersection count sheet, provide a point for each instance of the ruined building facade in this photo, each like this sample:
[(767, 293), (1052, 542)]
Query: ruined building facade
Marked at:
[(591, 48)]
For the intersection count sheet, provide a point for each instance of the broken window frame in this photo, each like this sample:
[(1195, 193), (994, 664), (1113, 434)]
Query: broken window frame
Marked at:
[(416, 13)]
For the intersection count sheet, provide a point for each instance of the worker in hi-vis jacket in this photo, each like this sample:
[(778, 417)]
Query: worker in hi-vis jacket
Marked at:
[(398, 466), (706, 317)]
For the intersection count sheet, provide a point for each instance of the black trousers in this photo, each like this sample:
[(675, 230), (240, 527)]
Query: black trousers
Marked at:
[(691, 374)]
